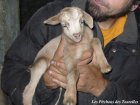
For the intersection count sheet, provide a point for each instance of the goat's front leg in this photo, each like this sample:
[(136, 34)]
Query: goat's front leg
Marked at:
[(37, 70), (99, 56), (70, 96)]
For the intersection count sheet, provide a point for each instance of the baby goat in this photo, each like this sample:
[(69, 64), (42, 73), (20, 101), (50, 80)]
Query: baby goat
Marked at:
[(78, 38)]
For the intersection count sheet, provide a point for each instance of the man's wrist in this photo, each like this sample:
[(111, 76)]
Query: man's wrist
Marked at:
[(101, 86)]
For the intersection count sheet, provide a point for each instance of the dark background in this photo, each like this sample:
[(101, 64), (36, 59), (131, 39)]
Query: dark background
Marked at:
[(28, 8)]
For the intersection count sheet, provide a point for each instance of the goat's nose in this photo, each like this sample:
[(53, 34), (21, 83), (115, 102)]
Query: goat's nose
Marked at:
[(77, 35)]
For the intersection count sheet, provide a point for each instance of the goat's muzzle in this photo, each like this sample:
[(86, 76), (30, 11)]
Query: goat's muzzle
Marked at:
[(77, 37)]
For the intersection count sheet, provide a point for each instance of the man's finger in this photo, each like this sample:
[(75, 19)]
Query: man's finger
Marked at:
[(86, 61), (61, 84), (86, 55), (86, 58), (54, 69), (57, 76), (48, 81), (59, 67)]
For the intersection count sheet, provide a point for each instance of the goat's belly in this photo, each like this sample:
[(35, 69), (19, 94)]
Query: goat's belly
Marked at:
[(49, 49)]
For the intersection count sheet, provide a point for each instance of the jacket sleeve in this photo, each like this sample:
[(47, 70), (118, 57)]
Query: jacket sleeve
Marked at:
[(124, 85), (21, 54)]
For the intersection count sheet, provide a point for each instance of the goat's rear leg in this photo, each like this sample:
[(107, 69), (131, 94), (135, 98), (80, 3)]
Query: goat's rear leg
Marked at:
[(99, 56), (37, 70)]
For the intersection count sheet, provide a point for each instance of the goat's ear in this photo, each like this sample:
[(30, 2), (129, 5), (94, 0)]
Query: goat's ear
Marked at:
[(53, 20), (88, 19)]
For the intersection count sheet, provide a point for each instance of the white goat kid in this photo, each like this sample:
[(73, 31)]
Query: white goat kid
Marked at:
[(78, 38)]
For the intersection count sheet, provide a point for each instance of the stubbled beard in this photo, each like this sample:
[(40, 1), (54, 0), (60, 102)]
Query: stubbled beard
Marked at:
[(100, 16)]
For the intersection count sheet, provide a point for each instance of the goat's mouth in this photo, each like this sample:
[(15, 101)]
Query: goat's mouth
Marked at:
[(77, 37)]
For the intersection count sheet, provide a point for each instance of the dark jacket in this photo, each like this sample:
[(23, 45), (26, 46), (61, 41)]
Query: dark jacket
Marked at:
[(123, 54)]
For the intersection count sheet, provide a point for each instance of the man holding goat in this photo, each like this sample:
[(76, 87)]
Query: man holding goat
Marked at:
[(116, 25)]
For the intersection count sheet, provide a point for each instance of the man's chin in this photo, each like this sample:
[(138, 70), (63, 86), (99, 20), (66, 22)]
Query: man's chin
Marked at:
[(100, 19)]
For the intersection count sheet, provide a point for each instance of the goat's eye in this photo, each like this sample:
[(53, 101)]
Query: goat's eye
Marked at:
[(81, 21), (65, 25)]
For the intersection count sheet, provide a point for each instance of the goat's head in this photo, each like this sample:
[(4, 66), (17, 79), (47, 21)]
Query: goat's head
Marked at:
[(72, 20)]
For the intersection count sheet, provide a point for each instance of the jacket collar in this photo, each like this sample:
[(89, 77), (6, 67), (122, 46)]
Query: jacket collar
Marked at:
[(130, 33)]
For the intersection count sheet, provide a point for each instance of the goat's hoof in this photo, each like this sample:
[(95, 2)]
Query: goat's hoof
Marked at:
[(69, 101), (106, 69), (69, 98)]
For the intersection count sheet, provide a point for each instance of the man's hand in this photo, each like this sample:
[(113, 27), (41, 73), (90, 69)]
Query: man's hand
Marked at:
[(58, 70), (91, 80)]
